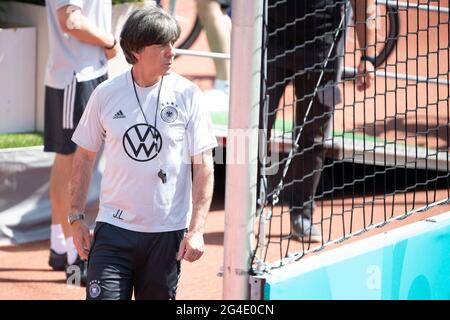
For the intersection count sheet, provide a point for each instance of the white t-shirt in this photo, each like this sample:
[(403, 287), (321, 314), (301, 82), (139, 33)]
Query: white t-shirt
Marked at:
[(133, 196), (69, 56)]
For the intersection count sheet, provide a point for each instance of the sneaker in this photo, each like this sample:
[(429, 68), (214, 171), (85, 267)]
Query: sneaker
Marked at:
[(76, 273), (57, 261), (304, 231)]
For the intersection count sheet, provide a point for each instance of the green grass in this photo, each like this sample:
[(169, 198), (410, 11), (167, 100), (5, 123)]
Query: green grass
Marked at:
[(221, 118), (19, 140)]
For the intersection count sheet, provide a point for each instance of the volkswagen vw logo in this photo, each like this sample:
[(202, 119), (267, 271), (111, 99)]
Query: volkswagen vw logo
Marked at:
[(142, 142)]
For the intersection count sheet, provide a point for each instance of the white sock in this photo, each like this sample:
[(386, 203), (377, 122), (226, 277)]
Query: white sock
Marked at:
[(71, 251), (223, 85), (57, 240)]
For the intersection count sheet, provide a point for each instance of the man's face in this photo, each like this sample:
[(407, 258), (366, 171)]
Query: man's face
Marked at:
[(157, 58)]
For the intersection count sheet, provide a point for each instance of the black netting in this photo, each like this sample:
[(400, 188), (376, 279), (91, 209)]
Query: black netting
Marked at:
[(340, 156)]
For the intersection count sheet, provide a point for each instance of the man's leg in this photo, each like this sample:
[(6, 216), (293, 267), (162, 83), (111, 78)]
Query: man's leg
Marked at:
[(111, 262), (275, 73), (217, 26), (74, 266), (309, 160), (57, 139), (59, 190), (82, 94), (60, 198), (61, 119), (158, 270)]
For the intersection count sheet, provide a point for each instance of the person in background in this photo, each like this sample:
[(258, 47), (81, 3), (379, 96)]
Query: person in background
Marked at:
[(305, 48), (217, 24), (80, 43)]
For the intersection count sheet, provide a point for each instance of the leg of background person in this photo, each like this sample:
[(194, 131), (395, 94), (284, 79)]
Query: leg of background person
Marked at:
[(60, 198), (58, 139), (83, 92), (275, 73), (308, 163), (274, 92), (217, 26), (53, 115)]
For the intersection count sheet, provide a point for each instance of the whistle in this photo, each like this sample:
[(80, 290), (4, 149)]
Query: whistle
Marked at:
[(162, 175)]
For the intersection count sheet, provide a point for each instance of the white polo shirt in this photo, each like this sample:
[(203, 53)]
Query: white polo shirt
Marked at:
[(133, 196), (69, 56)]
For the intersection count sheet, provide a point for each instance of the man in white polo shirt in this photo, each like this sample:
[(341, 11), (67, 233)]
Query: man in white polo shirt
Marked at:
[(155, 128), (80, 42)]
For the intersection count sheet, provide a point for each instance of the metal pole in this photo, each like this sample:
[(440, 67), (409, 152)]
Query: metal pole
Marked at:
[(351, 73), (408, 5), (241, 172), (202, 54)]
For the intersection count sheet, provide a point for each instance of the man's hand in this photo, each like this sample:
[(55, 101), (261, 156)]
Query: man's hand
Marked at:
[(81, 238), (365, 15), (73, 22), (365, 75), (191, 247), (83, 162)]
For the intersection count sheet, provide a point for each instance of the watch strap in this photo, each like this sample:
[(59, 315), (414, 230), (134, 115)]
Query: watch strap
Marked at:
[(74, 217)]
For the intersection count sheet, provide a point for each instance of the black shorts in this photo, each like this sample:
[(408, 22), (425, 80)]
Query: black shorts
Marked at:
[(63, 110), (121, 260)]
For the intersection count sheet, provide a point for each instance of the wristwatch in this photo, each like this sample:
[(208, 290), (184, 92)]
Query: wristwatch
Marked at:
[(74, 217), (113, 45)]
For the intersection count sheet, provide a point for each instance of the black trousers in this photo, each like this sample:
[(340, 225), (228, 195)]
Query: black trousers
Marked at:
[(121, 260), (307, 163), (299, 53)]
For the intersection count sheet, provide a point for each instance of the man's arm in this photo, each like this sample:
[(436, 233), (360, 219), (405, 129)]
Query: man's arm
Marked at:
[(365, 13), (83, 164), (73, 22), (192, 246)]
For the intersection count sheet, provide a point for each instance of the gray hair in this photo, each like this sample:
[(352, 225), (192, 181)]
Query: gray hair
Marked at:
[(147, 26)]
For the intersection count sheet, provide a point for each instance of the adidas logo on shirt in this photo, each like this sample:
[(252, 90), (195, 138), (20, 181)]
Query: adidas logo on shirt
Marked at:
[(119, 115)]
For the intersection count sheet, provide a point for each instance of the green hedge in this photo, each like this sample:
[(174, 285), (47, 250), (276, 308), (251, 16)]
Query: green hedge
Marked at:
[(42, 2), (17, 140)]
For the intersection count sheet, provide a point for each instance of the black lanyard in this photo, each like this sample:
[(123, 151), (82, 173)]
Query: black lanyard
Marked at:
[(139, 102), (161, 173)]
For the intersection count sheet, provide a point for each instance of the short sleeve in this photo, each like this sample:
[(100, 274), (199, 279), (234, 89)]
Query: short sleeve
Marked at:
[(89, 133), (199, 129)]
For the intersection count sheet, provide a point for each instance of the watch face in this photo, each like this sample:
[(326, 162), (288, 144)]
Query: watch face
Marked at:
[(74, 217)]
